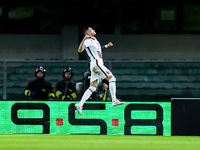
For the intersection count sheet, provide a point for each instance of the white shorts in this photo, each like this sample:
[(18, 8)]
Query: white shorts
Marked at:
[(98, 70)]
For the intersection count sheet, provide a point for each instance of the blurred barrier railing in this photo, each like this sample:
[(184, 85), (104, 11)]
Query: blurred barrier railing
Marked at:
[(136, 79)]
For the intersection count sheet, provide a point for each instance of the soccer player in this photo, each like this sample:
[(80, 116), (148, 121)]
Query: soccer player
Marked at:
[(97, 68)]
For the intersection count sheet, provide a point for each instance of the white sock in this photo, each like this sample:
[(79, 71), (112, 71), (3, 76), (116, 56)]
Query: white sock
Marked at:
[(87, 94), (112, 88)]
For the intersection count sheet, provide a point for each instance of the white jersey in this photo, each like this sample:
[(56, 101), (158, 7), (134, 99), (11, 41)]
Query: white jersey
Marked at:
[(93, 49), (97, 68)]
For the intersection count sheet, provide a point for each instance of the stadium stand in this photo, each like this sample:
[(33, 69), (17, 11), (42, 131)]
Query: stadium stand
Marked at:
[(1, 78), (136, 80), (153, 80)]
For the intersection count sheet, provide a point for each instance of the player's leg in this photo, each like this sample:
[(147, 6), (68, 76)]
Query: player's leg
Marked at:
[(86, 95), (88, 92), (107, 75), (112, 87)]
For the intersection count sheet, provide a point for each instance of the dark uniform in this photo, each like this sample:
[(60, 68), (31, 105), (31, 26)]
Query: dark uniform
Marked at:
[(103, 93), (39, 88), (66, 88)]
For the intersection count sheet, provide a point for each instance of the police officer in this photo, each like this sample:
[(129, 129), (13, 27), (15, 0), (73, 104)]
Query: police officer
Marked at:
[(40, 88), (66, 88)]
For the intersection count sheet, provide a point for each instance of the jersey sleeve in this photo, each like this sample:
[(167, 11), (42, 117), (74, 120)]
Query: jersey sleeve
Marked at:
[(87, 42)]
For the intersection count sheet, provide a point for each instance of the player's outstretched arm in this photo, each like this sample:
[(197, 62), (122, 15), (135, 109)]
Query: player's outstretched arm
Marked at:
[(109, 44)]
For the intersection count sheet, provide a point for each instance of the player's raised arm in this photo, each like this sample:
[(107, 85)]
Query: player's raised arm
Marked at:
[(82, 46)]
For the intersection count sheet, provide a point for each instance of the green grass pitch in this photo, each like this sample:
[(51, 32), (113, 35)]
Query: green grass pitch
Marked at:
[(97, 142)]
